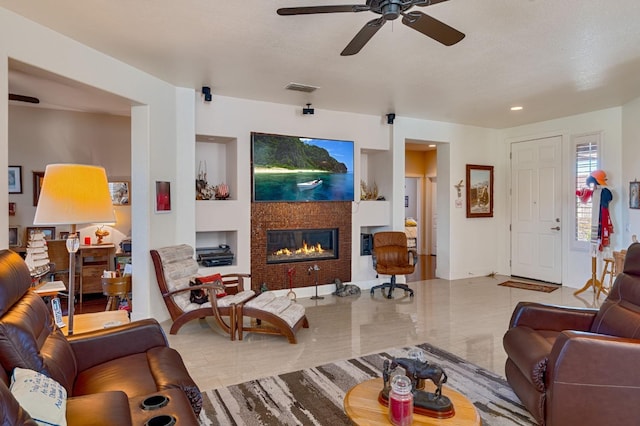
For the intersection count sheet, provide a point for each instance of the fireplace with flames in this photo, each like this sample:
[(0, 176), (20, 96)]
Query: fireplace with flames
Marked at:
[(300, 245)]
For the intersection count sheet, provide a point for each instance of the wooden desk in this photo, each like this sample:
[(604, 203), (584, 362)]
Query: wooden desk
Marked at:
[(93, 260), (362, 406), (83, 323)]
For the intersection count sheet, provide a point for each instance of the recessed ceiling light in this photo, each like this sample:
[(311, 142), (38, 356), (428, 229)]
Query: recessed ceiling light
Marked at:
[(432, 145), (516, 108)]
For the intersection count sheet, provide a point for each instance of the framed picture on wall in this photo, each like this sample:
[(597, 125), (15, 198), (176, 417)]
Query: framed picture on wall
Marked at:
[(48, 231), (163, 197), (15, 179), (479, 191), (14, 236), (634, 195), (119, 190), (38, 177)]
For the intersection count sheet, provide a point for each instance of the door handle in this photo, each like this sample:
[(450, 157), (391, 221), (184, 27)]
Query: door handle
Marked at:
[(557, 228)]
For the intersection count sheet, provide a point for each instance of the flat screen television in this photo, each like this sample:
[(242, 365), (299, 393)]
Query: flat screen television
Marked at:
[(292, 168)]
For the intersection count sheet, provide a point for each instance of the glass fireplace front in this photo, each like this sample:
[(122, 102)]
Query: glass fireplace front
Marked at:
[(300, 245)]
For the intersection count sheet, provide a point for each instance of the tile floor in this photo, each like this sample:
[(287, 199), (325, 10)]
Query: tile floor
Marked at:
[(467, 317)]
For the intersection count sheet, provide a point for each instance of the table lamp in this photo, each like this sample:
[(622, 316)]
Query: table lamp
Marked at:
[(73, 194)]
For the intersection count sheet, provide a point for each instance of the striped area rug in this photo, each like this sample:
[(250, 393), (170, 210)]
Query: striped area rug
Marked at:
[(315, 396)]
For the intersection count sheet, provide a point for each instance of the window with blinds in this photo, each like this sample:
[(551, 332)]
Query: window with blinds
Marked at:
[(586, 161)]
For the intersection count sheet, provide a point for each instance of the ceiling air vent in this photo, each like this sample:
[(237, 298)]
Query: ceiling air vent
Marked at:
[(301, 87)]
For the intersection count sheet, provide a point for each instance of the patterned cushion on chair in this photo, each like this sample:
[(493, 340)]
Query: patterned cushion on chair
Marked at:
[(281, 306), (179, 268), (244, 295)]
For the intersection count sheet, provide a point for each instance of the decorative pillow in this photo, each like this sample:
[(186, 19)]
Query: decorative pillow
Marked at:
[(42, 397), (215, 279)]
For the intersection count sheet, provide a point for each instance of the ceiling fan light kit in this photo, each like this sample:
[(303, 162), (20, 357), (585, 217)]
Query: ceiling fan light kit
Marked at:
[(23, 98), (388, 10)]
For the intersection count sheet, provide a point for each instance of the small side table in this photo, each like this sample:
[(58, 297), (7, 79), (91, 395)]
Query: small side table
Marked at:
[(83, 323), (49, 288), (362, 406)]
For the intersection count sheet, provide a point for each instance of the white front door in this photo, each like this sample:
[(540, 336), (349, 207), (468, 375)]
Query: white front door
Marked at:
[(536, 209)]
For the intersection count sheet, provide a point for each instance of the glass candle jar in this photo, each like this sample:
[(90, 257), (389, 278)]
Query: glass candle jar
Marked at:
[(400, 401)]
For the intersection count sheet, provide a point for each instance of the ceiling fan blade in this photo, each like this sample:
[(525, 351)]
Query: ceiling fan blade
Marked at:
[(363, 36), (431, 27), (424, 3), (22, 98), (285, 11)]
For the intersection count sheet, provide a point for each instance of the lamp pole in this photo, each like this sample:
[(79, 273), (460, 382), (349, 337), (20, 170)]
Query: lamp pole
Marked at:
[(73, 243)]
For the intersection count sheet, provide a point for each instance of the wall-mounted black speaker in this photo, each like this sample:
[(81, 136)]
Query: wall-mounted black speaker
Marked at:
[(206, 91), (390, 118)]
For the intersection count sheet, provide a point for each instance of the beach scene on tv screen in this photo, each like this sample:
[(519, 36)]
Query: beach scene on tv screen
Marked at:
[(290, 168)]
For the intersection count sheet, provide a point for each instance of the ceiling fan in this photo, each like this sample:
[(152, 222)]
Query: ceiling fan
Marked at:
[(389, 11), (23, 98)]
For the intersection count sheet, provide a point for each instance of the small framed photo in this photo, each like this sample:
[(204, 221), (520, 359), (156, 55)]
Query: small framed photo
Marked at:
[(119, 190), (64, 235), (479, 191), (14, 236), (634, 195), (48, 231), (163, 197), (38, 177), (15, 179), (12, 209)]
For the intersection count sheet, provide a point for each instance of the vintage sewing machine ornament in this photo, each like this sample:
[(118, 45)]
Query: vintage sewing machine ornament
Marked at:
[(431, 404)]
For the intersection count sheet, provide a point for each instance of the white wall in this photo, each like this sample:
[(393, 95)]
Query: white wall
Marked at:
[(577, 263), (153, 139), (466, 247), (630, 224), (39, 136), (237, 118)]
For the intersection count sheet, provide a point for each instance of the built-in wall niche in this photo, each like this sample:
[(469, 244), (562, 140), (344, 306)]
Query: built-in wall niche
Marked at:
[(375, 171), (217, 161), (216, 239), (366, 238)]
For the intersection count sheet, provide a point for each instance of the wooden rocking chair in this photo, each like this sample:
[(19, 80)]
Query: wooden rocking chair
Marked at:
[(175, 267)]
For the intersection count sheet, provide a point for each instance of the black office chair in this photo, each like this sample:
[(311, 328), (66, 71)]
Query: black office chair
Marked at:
[(392, 257)]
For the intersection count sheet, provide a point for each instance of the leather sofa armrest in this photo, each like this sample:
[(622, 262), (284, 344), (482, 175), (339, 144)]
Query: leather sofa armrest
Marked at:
[(540, 316), (104, 408), (596, 372), (100, 346)]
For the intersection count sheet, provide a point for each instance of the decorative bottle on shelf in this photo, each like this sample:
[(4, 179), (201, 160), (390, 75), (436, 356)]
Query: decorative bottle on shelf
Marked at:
[(400, 401)]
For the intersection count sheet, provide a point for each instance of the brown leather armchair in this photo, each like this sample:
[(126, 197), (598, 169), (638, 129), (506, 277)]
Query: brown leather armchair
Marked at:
[(572, 366), (391, 257), (106, 373)]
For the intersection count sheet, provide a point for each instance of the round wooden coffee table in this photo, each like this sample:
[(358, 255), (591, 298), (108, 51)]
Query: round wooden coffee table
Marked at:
[(362, 406)]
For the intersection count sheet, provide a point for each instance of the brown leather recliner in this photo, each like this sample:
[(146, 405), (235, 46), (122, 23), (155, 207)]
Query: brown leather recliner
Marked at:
[(572, 366), (106, 373)]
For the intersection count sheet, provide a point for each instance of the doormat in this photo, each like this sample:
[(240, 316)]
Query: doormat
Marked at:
[(530, 286)]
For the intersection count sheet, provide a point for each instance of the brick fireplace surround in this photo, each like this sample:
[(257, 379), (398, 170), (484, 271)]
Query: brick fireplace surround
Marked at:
[(308, 215)]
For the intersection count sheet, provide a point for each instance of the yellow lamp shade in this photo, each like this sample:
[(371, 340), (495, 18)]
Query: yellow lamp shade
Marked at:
[(73, 194)]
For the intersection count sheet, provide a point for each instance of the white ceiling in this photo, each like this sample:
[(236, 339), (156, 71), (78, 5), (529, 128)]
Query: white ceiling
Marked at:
[(554, 57)]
